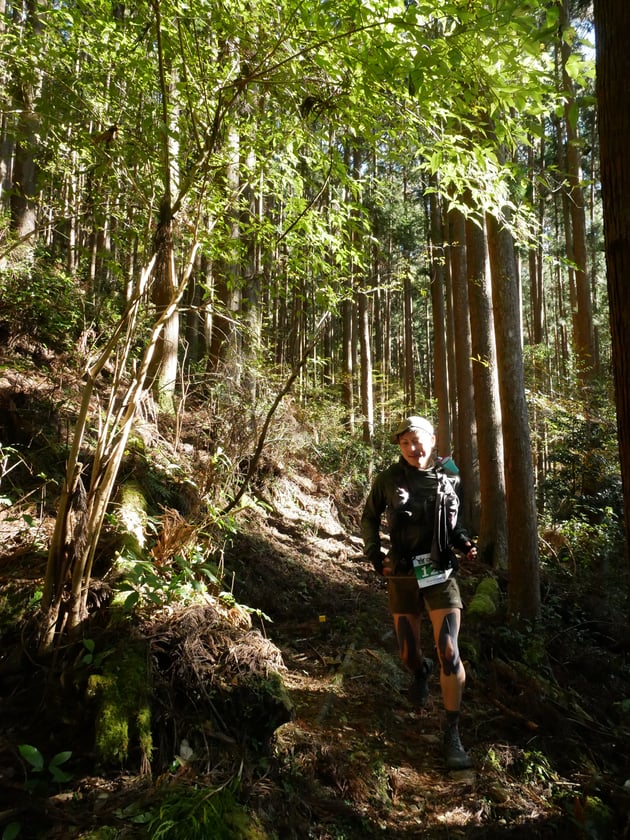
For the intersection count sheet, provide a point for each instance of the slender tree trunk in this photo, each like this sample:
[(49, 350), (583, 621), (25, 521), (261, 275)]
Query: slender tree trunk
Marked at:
[(536, 289), (367, 396), (386, 296), (226, 272), (6, 139), (378, 321), (440, 364), (466, 455), (612, 22), (409, 372), (524, 572), (363, 326), (25, 91), (251, 286), (493, 513), (194, 325), (451, 362), (163, 369), (347, 382), (583, 320)]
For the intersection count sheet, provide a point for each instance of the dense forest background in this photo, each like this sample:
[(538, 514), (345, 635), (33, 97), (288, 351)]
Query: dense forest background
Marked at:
[(234, 234)]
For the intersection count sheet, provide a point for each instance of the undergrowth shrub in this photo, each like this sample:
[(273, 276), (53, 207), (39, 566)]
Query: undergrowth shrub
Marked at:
[(42, 301), (580, 501), (350, 461), (200, 813), (581, 477)]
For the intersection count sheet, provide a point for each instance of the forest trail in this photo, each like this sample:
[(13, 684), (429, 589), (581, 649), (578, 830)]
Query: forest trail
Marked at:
[(366, 762), (551, 748)]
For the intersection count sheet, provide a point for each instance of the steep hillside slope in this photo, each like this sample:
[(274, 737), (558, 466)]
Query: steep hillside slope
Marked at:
[(545, 715)]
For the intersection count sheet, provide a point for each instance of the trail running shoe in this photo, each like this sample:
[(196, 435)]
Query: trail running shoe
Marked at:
[(456, 756), (418, 691)]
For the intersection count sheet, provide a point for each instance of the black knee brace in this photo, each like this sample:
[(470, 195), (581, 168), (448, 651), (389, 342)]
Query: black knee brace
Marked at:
[(407, 644), (451, 664)]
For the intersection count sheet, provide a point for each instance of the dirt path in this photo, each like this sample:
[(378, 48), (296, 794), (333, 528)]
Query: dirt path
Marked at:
[(358, 761)]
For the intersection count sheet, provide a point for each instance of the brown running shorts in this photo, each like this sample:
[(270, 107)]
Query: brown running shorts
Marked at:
[(405, 596)]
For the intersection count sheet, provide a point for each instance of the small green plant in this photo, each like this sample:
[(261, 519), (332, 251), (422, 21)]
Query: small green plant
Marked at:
[(186, 579), (35, 598), (91, 657), (189, 813), (39, 782), (534, 768), (10, 458), (623, 706), (11, 831), (230, 601), (493, 760)]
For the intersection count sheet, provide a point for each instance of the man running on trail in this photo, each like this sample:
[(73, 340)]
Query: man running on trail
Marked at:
[(421, 506)]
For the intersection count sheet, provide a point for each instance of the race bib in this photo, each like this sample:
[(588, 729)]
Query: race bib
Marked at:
[(426, 574)]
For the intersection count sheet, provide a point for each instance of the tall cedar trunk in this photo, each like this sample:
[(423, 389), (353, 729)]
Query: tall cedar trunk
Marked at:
[(224, 342), (193, 326), (388, 332), (583, 320), (347, 384), (493, 514), (537, 331), (367, 397), (536, 289), (378, 319), (450, 341), (440, 365), (6, 140), (25, 90), (523, 561), (363, 326), (379, 304), (466, 454), (409, 367), (163, 368), (348, 333), (251, 291), (612, 22), (409, 373), (7, 144)]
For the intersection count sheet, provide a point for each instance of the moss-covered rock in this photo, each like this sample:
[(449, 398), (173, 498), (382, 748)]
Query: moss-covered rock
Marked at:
[(485, 601), (123, 715)]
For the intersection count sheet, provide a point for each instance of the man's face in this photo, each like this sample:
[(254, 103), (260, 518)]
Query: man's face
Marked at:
[(416, 448)]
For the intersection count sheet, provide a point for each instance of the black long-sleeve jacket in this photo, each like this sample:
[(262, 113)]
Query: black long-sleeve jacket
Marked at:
[(422, 513)]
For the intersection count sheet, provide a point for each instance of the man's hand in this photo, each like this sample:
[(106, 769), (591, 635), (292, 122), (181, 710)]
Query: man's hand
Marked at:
[(377, 559), (470, 550)]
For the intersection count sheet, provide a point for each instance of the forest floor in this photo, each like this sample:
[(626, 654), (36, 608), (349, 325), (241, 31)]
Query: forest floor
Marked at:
[(550, 743), (367, 762)]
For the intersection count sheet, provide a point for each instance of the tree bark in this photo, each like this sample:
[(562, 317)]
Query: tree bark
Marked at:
[(226, 271), (583, 341), (163, 370), (409, 368), (25, 91), (523, 571), (438, 305), (612, 23), (367, 396), (492, 542), (466, 454)]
